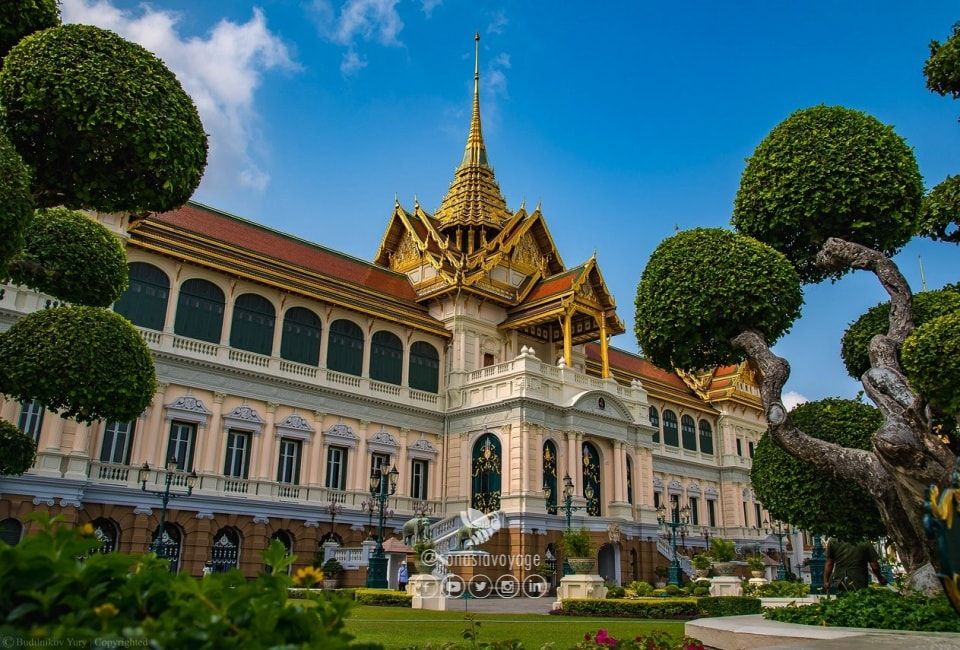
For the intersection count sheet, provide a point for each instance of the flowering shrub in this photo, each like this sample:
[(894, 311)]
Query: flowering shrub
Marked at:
[(656, 640)]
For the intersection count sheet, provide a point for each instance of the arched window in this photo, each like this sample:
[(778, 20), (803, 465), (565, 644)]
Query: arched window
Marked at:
[(225, 551), (252, 328), (386, 357), (108, 533), (167, 544), (689, 432), (655, 422), (485, 470), (345, 349), (424, 367), (301, 336), (550, 482), (670, 434), (629, 480), (591, 479), (11, 530), (199, 311), (706, 437), (145, 300), (331, 537)]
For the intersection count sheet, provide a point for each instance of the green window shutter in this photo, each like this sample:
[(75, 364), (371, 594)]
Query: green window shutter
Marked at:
[(386, 357), (655, 422), (485, 470), (689, 432), (706, 437), (424, 367), (253, 322), (345, 348), (144, 302), (550, 475), (629, 480), (301, 337), (199, 311), (670, 435), (591, 479)]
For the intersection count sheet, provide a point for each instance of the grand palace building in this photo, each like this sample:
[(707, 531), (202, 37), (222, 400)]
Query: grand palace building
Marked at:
[(466, 354)]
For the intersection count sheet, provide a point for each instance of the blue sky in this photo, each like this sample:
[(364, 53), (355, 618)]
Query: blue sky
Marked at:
[(625, 119)]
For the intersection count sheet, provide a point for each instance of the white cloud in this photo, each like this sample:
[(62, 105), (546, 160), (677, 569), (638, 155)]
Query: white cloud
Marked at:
[(221, 71), (358, 20), (792, 398), (493, 87), (498, 22), (429, 5)]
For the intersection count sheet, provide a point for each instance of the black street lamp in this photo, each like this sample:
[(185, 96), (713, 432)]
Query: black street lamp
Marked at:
[(567, 507), (706, 535), (679, 518), (780, 532), (383, 485), (165, 495)]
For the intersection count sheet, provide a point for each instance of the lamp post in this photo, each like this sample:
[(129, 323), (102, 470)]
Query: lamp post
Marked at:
[(334, 509), (706, 536), (780, 532), (165, 494), (383, 485), (679, 518), (568, 510)]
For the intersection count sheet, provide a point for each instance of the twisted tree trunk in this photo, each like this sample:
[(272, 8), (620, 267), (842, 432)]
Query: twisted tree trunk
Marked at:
[(906, 457)]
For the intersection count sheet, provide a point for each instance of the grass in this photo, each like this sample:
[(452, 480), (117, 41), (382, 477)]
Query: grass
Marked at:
[(396, 627)]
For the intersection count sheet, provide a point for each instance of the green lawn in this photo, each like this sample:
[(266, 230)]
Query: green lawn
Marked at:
[(398, 627)]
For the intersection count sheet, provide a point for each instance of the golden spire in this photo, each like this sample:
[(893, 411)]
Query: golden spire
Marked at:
[(474, 197)]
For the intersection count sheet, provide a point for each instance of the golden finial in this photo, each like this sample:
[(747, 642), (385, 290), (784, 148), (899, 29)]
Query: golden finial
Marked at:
[(476, 152), (416, 201)]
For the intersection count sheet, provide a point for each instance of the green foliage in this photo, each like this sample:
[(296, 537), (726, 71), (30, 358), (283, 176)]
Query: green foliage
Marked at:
[(87, 361), (931, 360), (711, 606), (332, 568), (19, 18), (72, 257), (799, 493), (877, 608), (102, 122), (927, 305), (777, 589), (755, 562), (632, 608), (57, 587), (383, 597), (641, 588), (616, 591), (942, 69), (576, 543), (940, 213), (700, 561), (722, 550), (705, 286), (16, 203), (672, 590), (18, 450), (828, 171)]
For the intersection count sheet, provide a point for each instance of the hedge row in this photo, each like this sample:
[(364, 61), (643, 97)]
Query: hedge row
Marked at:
[(682, 608), (387, 597)]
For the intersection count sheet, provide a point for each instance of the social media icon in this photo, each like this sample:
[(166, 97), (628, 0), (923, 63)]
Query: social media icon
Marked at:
[(452, 586), (480, 586), (508, 586), (535, 587)]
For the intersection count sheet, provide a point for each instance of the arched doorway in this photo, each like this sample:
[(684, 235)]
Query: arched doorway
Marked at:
[(608, 563), (225, 552), (167, 544), (108, 533)]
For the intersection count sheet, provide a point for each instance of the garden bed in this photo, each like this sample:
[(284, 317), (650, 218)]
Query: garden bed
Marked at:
[(663, 608)]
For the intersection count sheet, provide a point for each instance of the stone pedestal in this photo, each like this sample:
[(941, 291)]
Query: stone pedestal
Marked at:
[(580, 586), (758, 582), (426, 593), (725, 586)]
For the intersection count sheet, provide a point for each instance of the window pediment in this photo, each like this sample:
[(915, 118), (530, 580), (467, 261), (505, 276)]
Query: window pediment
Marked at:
[(294, 426), (340, 434), (243, 418), (188, 409)]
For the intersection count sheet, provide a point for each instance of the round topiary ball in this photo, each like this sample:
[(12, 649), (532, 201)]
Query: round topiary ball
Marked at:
[(72, 257), (703, 287), (18, 18), (16, 204), (801, 494), (829, 171), (942, 69), (87, 361), (102, 122), (940, 213), (17, 450), (927, 305), (931, 360)]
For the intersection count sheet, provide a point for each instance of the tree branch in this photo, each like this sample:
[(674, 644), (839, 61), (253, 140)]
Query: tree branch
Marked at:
[(843, 463)]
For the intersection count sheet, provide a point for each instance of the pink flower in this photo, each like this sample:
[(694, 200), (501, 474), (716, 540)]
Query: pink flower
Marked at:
[(604, 638)]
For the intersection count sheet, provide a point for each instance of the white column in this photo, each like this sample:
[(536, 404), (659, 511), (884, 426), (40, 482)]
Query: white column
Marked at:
[(618, 471), (403, 487), (212, 447)]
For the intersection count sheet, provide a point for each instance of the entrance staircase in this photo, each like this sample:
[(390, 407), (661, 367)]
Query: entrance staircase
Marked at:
[(666, 550)]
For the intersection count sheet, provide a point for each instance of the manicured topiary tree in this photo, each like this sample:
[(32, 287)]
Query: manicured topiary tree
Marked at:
[(88, 121), (931, 357), (833, 190), (940, 216), (796, 491)]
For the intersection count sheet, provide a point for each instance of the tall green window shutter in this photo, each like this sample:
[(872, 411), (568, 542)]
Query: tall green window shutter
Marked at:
[(253, 322), (199, 311), (345, 348), (485, 473), (386, 357), (591, 479), (145, 300), (550, 475), (706, 437), (689, 431), (424, 367), (670, 434), (301, 336)]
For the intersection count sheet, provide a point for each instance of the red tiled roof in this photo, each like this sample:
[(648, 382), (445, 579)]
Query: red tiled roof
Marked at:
[(636, 365), (553, 285), (238, 232)]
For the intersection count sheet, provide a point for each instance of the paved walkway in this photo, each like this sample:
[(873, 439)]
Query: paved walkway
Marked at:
[(494, 605)]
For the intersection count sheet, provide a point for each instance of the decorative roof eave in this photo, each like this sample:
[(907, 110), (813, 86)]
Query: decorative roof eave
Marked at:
[(217, 255)]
